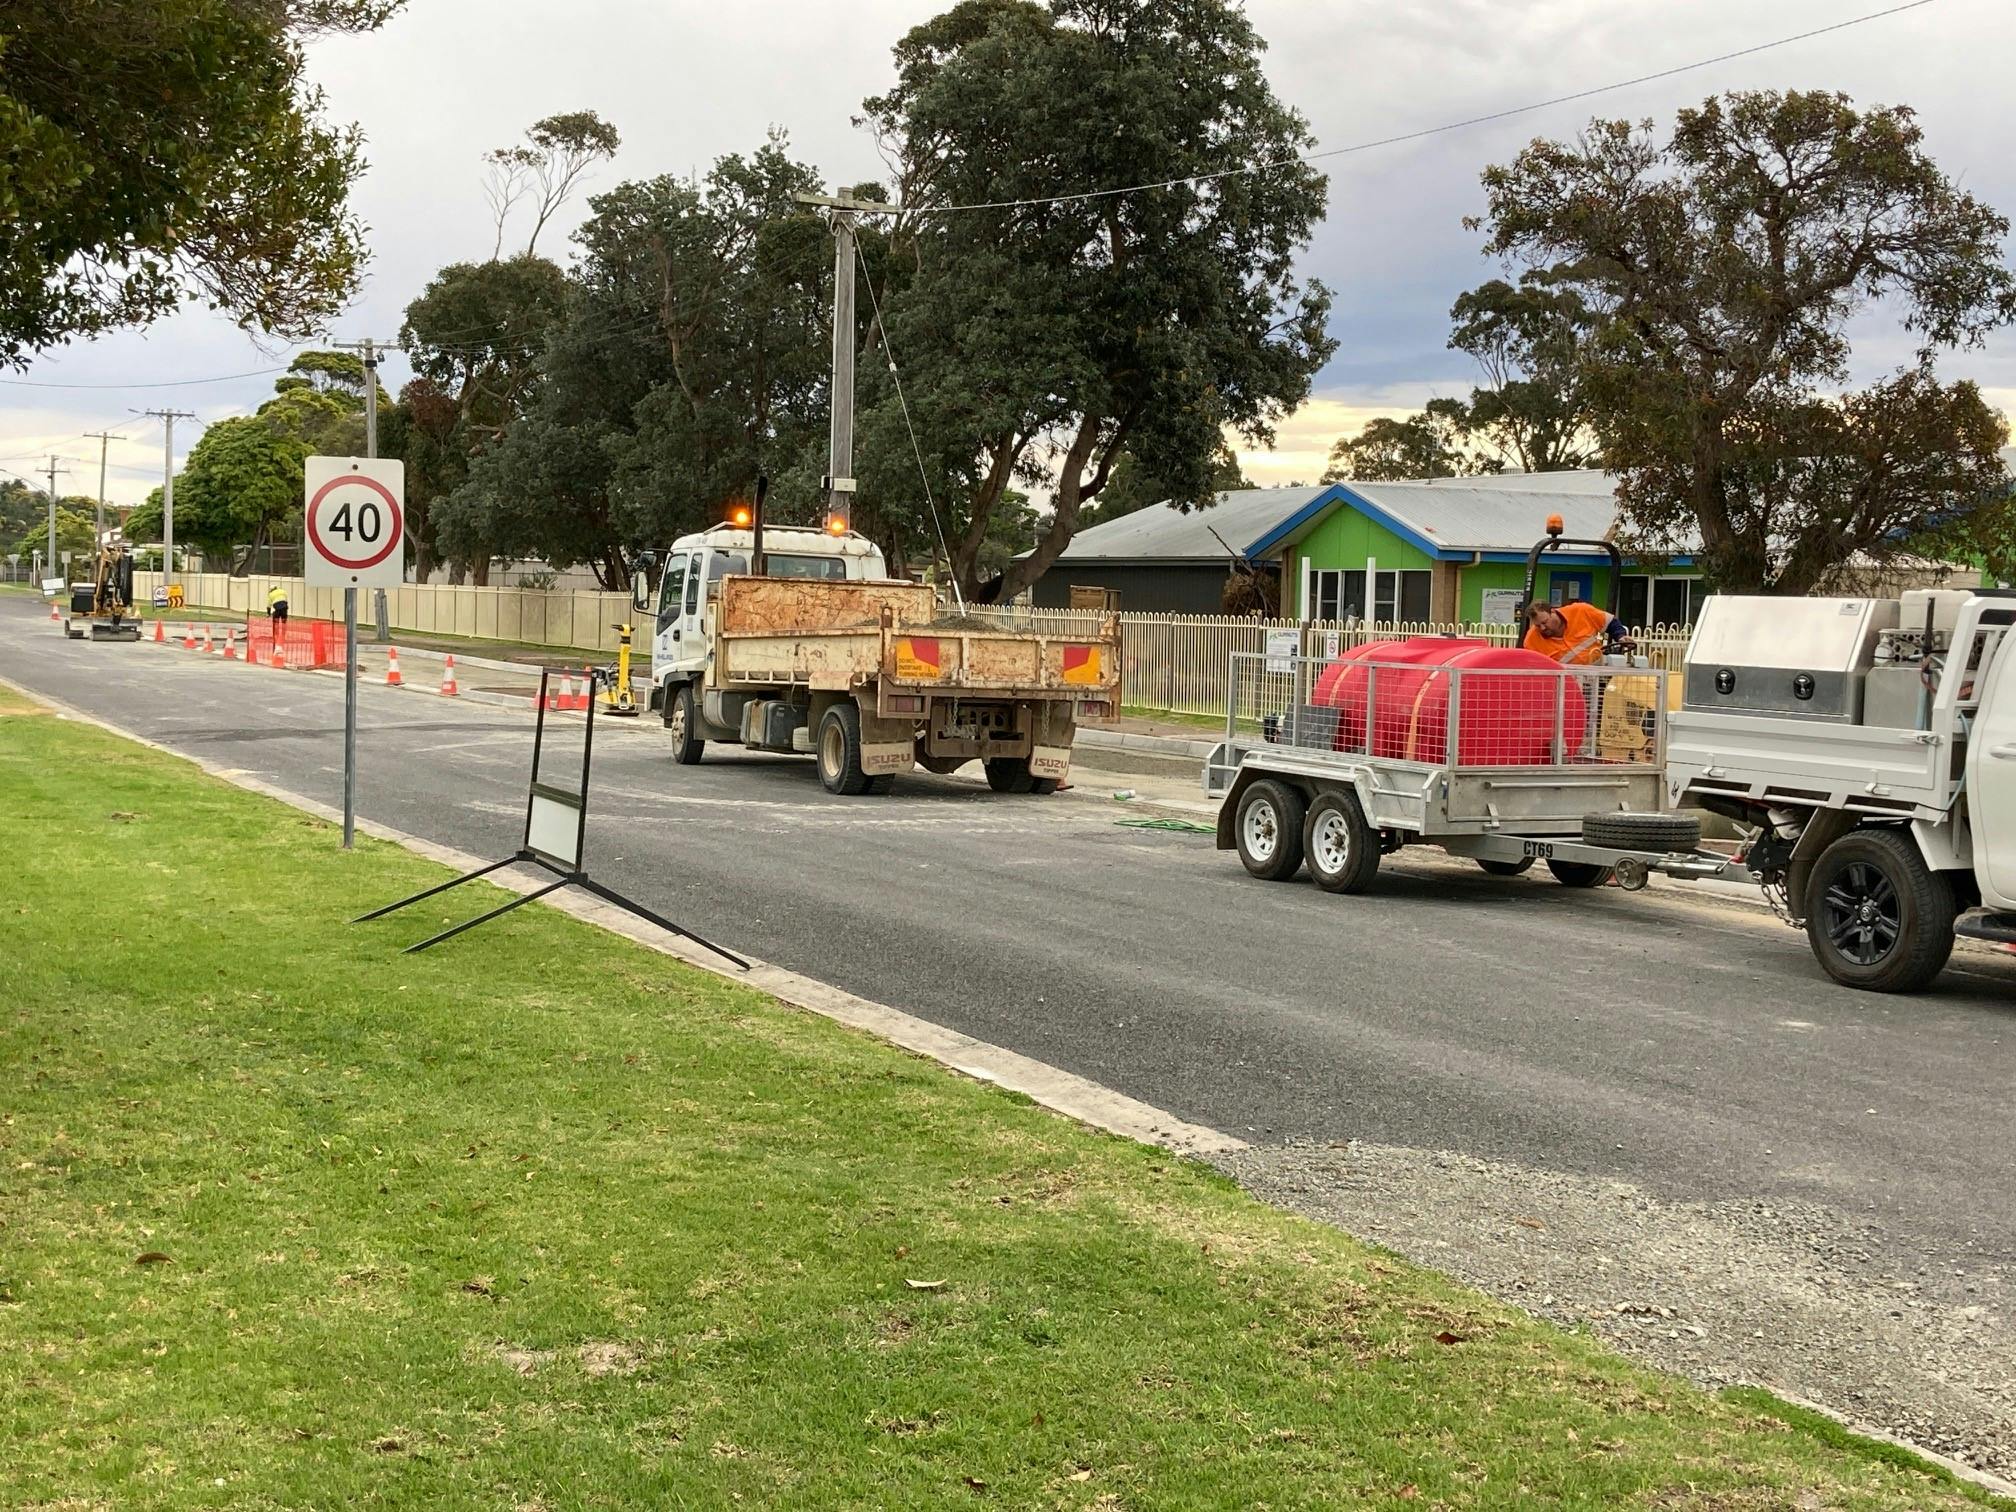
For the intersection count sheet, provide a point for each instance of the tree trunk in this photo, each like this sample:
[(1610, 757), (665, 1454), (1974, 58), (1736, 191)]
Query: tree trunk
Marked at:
[(1072, 489), (479, 570)]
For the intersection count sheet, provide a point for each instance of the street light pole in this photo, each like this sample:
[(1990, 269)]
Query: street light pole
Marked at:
[(167, 417), (371, 351)]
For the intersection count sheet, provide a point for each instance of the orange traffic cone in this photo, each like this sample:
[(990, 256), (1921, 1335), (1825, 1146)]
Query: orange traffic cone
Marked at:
[(392, 677), (587, 689), (568, 701), (160, 636), (230, 651), (188, 637), (448, 688), (209, 642), (54, 617), (279, 656)]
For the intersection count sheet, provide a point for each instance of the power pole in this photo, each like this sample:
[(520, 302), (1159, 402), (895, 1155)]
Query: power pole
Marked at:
[(52, 470), (104, 440), (167, 417), (841, 214), (369, 350)]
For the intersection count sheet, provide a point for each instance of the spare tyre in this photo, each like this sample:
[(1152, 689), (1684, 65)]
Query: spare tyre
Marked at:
[(1658, 833)]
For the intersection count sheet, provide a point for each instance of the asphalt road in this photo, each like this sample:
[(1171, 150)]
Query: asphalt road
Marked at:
[(1691, 1049)]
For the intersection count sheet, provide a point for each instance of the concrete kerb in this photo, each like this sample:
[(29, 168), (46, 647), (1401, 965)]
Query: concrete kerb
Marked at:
[(1076, 1097), (1160, 745)]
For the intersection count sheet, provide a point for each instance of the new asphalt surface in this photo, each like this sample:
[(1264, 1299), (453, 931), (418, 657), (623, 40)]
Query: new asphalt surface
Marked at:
[(1690, 1048)]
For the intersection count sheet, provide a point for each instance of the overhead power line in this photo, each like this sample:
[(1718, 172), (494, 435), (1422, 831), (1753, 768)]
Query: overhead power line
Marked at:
[(1317, 155), (174, 383)]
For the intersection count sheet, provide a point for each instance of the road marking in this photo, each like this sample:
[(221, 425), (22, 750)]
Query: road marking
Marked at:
[(1061, 1091)]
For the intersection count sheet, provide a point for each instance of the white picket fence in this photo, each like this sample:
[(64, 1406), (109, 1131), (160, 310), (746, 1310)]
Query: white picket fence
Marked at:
[(1174, 663)]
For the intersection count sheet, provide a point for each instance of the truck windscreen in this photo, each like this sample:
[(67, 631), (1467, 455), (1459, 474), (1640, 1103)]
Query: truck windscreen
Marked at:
[(779, 565)]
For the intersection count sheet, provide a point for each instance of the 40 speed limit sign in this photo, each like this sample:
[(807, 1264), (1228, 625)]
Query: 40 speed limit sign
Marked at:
[(354, 525)]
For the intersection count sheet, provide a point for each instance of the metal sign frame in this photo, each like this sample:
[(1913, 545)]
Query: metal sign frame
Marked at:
[(542, 796)]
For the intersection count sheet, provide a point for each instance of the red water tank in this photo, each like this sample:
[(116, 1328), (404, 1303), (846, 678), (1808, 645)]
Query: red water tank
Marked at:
[(1505, 709)]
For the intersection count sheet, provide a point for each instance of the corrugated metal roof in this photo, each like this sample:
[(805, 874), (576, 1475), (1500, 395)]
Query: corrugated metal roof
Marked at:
[(1504, 513), (1162, 533)]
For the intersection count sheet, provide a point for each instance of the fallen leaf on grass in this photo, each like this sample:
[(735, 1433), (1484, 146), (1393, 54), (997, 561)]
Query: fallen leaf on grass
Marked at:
[(151, 1257), (925, 1285), (482, 1286), (389, 1446), (1408, 1492), (121, 816), (1081, 1475), (1446, 1337)]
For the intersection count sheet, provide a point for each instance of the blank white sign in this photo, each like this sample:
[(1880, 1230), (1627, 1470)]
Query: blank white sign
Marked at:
[(555, 830)]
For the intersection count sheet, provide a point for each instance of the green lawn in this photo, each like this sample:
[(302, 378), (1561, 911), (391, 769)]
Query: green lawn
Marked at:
[(541, 1219)]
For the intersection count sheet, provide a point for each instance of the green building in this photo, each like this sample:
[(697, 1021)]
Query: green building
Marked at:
[(1453, 550)]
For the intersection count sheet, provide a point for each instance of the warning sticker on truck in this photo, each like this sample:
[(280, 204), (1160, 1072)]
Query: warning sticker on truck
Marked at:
[(917, 657), (1082, 665)]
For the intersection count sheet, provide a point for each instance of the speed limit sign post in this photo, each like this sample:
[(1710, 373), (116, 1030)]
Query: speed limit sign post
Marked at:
[(354, 526), (353, 533)]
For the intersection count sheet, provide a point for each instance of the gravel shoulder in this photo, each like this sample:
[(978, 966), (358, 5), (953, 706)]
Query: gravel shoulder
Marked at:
[(1793, 1298)]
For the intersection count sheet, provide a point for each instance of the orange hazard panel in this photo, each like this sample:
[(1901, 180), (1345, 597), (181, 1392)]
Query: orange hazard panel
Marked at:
[(917, 656), (1081, 665)]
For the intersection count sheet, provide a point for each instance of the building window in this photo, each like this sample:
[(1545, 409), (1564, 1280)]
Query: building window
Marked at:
[(1647, 600), (1401, 596)]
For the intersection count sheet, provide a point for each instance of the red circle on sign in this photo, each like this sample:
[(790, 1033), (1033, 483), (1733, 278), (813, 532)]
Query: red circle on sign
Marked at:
[(356, 564)]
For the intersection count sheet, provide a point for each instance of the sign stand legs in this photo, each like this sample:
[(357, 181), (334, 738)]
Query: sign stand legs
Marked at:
[(556, 827)]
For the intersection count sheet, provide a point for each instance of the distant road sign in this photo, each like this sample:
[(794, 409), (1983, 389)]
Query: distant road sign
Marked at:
[(355, 522)]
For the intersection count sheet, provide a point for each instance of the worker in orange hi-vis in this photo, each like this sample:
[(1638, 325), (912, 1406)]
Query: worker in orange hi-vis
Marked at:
[(1575, 634)]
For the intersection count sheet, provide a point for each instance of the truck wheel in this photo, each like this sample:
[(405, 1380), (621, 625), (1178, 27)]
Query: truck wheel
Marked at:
[(1343, 849), (1517, 868), (1269, 831), (840, 751), (681, 724), (1010, 774), (1659, 833), (1878, 918), (1579, 873)]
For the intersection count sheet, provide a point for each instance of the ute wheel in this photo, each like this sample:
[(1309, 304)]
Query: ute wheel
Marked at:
[(840, 751), (1642, 832), (1877, 916), (1579, 873), (1269, 831), (1010, 774), (682, 725), (1343, 849), (1517, 868)]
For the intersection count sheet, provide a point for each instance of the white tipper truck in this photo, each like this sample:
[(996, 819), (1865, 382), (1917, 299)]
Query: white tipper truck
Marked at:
[(824, 654)]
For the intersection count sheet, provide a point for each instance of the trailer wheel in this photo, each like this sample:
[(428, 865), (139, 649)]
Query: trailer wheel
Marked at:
[(1009, 774), (1343, 849), (1877, 916), (1642, 832), (1579, 873), (1517, 868), (1269, 831), (840, 751), (682, 725)]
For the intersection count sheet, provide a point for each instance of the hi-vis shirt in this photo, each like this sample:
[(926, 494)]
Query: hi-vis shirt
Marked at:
[(275, 596), (1581, 639)]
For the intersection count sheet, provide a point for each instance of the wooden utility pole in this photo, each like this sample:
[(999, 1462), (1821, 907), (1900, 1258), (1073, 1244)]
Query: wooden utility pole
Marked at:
[(52, 470), (167, 417), (104, 440)]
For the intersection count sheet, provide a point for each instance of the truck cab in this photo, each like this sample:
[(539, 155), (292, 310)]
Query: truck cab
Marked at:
[(695, 565)]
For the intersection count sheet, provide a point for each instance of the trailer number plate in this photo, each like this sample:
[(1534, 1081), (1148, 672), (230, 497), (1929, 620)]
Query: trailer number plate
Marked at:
[(1542, 849)]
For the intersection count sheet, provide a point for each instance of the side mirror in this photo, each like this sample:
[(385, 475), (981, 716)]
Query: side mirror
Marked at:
[(640, 590)]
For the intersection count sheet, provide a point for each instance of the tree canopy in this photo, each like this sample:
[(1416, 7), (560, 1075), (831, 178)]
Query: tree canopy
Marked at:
[(1720, 268), (154, 151), (1041, 342), (1432, 444)]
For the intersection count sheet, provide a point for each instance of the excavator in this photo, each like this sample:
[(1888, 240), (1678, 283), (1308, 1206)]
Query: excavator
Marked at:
[(103, 607)]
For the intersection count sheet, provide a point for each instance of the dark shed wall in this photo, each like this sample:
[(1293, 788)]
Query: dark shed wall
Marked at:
[(1170, 589)]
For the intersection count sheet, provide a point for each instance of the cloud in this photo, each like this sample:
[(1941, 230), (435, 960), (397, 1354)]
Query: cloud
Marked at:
[(687, 82)]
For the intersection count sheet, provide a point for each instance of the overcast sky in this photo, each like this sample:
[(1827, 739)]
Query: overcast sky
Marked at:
[(687, 82)]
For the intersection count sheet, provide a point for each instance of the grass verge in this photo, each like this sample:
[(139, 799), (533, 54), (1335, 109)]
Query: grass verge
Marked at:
[(543, 1219)]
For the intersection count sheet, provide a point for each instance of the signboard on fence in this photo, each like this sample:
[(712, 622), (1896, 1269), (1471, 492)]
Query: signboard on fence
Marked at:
[(1501, 606), (354, 523), (1283, 646), (1332, 644)]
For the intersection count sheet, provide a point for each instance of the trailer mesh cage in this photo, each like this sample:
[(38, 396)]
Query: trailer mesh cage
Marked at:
[(1455, 705)]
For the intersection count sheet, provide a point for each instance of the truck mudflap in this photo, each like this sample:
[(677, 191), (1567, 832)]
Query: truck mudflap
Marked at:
[(888, 746), (1050, 761)]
